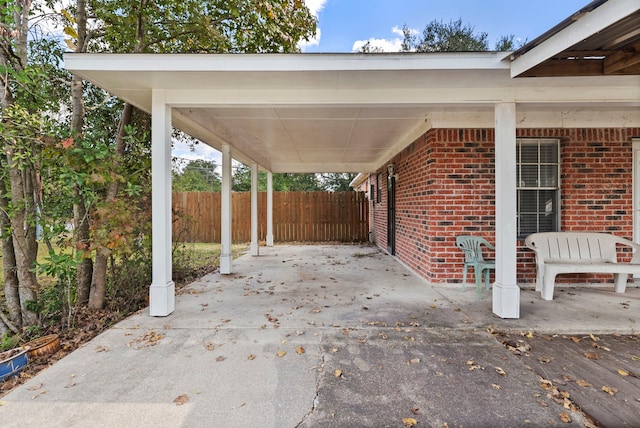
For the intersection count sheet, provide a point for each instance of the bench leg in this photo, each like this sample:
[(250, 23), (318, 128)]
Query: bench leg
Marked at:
[(548, 285), (620, 281)]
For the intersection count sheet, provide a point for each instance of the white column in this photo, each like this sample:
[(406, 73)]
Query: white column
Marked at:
[(226, 258), (269, 209), (254, 248), (506, 293), (162, 289)]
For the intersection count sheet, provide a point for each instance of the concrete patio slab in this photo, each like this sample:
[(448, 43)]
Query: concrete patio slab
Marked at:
[(315, 336)]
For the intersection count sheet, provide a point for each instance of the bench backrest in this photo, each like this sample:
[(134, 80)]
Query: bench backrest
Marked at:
[(574, 246)]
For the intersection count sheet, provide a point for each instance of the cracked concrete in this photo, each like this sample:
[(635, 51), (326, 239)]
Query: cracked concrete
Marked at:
[(315, 336)]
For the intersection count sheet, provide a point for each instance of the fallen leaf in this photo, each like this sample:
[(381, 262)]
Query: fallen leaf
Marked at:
[(543, 359), (635, 358), (575, 339), (35, 387), (334, 350), (281, 353), (567, 404), (220, 358), (564, 417), (530, 335), (102, 349), (300, 350), (623, 372), (609, 390), (583, 382), (592, 355), (594, 338), (181, 399), (413, 361), (337, 373), (251, 357), (409, 422), (415, 410), (500, 371), (44, 391), (2, 403), (496, 386)]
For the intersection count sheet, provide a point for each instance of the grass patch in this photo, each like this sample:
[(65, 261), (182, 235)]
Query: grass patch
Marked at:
[(194, 260)]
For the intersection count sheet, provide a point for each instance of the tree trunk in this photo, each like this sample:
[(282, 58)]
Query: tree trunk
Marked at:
[(80, 214), (83, 241), (11, 295), (23, 233), (99, 279)]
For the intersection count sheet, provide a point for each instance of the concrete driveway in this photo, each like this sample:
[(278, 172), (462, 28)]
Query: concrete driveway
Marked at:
[(306, 336)]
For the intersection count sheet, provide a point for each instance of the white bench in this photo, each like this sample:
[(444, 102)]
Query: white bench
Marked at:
[(580, 252)]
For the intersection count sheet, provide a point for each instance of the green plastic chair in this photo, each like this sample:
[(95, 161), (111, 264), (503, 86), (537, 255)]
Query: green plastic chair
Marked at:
[(472, 247)]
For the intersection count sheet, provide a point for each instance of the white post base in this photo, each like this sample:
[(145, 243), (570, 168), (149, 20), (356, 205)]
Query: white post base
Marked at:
[(254, 249), (506, 300), (269, 240), (226, 264), (162, 299)]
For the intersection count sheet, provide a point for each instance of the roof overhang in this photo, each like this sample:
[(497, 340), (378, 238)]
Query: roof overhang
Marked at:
[(603, 38), (336, 112)]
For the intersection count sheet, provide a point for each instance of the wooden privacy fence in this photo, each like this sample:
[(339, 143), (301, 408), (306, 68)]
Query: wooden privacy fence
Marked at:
[(297, 216)]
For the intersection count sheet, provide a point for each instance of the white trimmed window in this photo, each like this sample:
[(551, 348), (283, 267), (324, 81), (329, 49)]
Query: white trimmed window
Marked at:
[(538, 164)]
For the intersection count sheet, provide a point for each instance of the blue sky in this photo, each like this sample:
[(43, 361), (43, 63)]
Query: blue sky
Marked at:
[(346, 24), (343, 23)]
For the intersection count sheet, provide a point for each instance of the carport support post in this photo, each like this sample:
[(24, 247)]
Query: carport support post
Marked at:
[(225, 203), (255, 249), (269, 209), (162, 289), (506, 293)]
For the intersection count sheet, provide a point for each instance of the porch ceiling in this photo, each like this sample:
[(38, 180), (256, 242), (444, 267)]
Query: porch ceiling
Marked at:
[(334, 112)]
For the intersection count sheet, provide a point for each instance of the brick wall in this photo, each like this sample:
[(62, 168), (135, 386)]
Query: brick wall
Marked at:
[(446, 188)]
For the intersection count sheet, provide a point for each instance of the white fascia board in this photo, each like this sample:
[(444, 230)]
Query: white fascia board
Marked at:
[(285, 62), (597, 20)]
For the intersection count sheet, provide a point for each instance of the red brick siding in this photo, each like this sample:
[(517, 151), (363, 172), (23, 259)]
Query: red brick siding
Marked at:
[(446, 188)]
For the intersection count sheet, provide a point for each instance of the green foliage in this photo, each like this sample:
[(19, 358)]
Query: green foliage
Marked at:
[(337, 181), (196, 26), (282, 182), (453, 36), (9, 342), (195, 176)]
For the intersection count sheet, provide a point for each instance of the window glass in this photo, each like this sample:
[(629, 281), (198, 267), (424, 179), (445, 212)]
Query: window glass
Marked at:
[(538, 185)]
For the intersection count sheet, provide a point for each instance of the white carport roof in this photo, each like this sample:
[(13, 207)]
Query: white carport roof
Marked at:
[(335, 112)]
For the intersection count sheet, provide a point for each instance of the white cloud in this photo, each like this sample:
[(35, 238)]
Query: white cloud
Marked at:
[(314, 41), (182, 150), (315, 6), (393, 44)]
